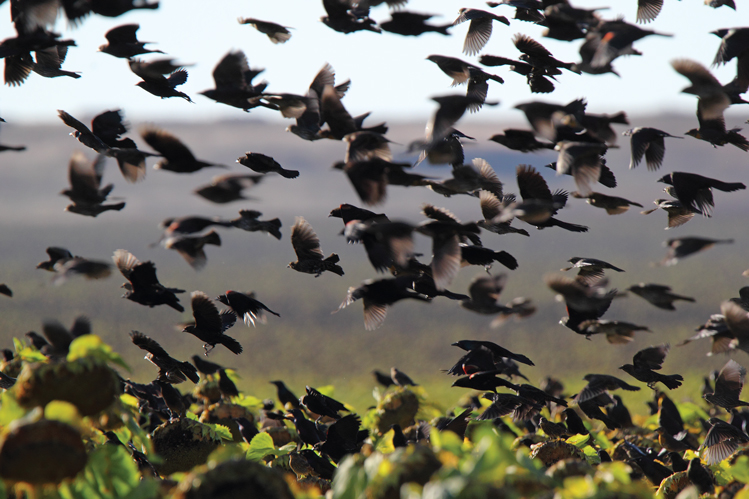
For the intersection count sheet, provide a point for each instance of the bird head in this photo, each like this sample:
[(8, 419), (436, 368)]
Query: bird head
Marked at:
[(292, 265), (694, 133)]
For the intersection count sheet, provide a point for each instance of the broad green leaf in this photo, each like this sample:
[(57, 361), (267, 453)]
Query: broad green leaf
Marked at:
[(579, 441), (742, 494), (91, 346), (350, 480), (261, 445), (591, 455), (26, 352), (578, 487), (447, 440), (9, 409), (616, 471)]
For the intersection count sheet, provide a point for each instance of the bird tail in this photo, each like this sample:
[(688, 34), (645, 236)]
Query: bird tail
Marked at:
[(620, 117), (568, 226), (288, 173), (272, 227), (190, 371), (231, 344), (443, 29), (212, 238), (506, 259), (671, 381), (727, 186)]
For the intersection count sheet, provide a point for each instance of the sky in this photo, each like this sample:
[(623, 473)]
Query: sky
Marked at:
[(390, 74)]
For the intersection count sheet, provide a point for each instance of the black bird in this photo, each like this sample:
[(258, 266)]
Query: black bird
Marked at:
[(590, 270), (285, 396), (574, 423), (177, 157), (480, 28), (170, 369), (143, 286), (5, 290), (249, 220), (108, 127), (496, 351), (412, 24), (155, 79), (728, 386), (484, 294), (721, 441), (204, 366), (209, 325), (261, 163), (342, 438), (378, 295), (484, 381), (592, 409), (646, 362), (658, 295), (399, 439), (307, 430), (682, 247), (695, 191), (233, 77), (245, 305), (347, 17), (228, 188), (322, 405), (123, 42), (601, 383), (84, 135), (226, 386), (310, 258), (520, 140), (191, 247), (613, 205), (86, 192), (275, 32), (400, 378), (652, 469), (182, 226), (700, 477), (539, 204), (172, 398), (647, 142), (383, 379), (539, 57)]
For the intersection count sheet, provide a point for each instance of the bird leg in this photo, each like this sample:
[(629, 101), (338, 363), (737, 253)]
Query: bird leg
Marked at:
[(207, 348)]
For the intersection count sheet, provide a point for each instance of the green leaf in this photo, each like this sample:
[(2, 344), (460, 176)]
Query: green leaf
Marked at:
[(616, 471), (448, 441), (9, 409), (91, 346), (65, 412), (350, 480), (579, 441), (261, 445), (222, 431), (26, 352), (740, 469)]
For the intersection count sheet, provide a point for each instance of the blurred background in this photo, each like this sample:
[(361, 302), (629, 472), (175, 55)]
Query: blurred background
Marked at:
[(391, 78)]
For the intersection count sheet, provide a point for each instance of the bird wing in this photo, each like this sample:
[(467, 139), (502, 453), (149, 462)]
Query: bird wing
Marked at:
[(651, 358), (167, 145), (206, 314), (304, 240)]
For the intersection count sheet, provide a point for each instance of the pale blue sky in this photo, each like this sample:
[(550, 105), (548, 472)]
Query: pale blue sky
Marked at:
[(389, 73)]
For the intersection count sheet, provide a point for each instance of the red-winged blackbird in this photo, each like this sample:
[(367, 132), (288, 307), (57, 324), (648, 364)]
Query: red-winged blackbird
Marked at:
[(83, 134), (261, 163), (582, 160), (712, 99), (310, 258), (646, 362), (177, 157), (143, 286), (616, 38), (209, 325), (412, 24), (728, 386), (480, 28), (658, 295), (574, 423), (227, 188), (539, 204), (613, 205), (310, 121), (400, 378), (484, 381), (123, 42), (520, 140), (700, 477), (170, 370), (377, 295), (275, 32), (592, 409), (160, 77), (648, 142), (539, 57), (246, 306), (233, 81)]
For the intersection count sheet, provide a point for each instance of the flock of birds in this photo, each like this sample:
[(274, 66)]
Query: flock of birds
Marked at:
[(580, 138)]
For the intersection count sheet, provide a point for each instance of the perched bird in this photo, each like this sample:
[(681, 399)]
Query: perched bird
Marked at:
[(678, 214), (684, 246), (209, 325), (377, 296), (191, 247), (322, 405), (122, 42), (400, 378), (170, 369), (261, 163), (721, 441), (275, 32), (647, 142), (245, 305), (695, 191), (700, 477), (646, 362), (143, 286), (204, 366), (728, 386), (480, 28), (310, 258), (177, 157), (382, 379), (285, 396), (155, 80)]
